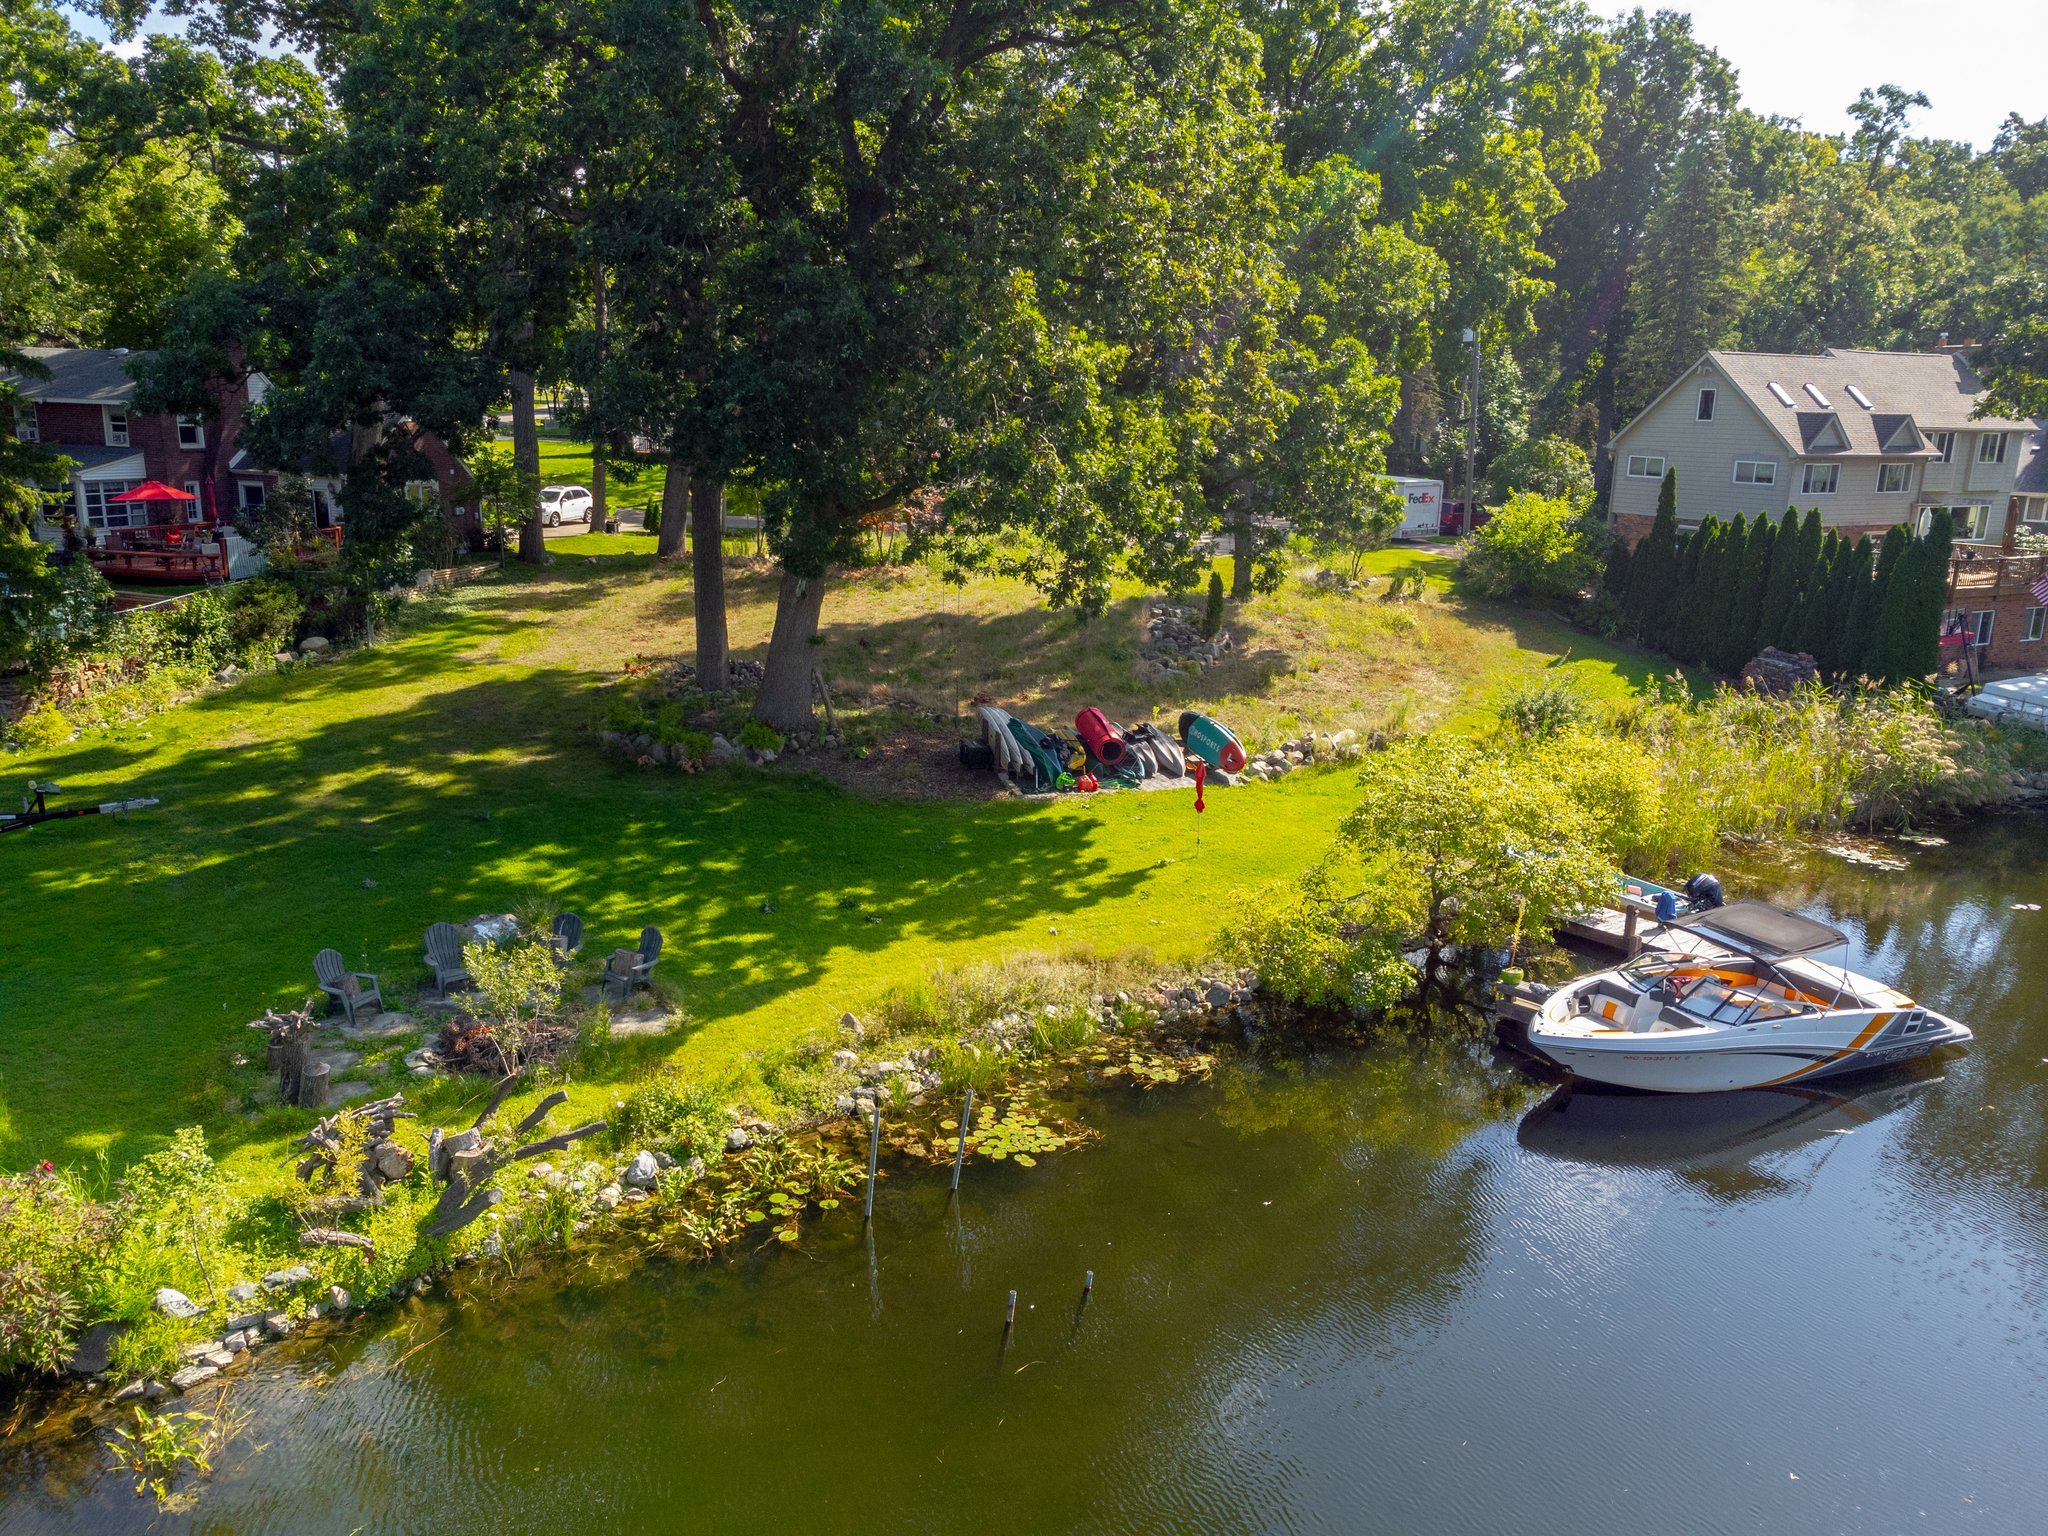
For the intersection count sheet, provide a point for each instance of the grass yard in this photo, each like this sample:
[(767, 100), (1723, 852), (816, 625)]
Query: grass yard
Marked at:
[(451, 771)]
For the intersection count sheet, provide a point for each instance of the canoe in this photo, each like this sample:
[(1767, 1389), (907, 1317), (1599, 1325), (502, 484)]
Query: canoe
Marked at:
[(1212, 742), (1044, 766)]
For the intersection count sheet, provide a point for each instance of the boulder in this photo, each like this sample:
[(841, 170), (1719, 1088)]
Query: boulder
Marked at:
[(192, 1375), (391, 1161), (242, 1292), (278, 1324), (91, 1353), (609, 1197), (850, 1024), (315, 645), (240, 1339), (285, 1279), (175, 1303), (1776, 671), (723, 751), (643, 1172), (737, 1139), (338, 1299)]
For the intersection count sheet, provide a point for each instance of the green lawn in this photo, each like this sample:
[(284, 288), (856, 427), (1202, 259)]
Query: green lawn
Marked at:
[(451, 771)]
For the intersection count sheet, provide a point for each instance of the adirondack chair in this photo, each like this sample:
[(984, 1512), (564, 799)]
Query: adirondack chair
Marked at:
[(444, 955), (630, 968), (352, 989), (566, 934)]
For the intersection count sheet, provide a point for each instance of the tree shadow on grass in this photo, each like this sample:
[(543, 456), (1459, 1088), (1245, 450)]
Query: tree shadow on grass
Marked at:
[(142, 946)]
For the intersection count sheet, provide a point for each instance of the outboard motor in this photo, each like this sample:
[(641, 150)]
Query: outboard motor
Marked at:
[(1705, 891)]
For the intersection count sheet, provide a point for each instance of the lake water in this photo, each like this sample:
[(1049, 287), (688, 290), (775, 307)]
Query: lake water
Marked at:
[(1368, 1292)]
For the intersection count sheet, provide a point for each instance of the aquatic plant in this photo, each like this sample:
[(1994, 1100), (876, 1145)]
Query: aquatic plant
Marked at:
[(161, 1445)]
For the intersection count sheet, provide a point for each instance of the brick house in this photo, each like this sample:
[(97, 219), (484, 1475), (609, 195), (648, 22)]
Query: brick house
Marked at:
[(1991, 593), (85, 409)]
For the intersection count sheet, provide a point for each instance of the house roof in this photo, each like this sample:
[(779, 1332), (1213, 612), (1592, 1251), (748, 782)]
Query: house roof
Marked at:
[(2032, 479), (1848, 402), (79, 375)]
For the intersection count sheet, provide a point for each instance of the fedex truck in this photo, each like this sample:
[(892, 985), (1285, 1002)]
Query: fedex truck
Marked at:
[(1423, 507)]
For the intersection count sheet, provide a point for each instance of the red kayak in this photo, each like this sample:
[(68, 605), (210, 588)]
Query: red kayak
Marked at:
[(1105, 743)]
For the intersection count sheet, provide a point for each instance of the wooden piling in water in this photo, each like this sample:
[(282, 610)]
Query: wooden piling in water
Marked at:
[(960, 1150), (874, 1157)]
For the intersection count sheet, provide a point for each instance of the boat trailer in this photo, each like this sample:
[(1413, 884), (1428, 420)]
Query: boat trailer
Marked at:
[(35, 808)]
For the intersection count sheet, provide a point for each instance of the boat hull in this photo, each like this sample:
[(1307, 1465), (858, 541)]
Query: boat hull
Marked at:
[(1682, 1066)]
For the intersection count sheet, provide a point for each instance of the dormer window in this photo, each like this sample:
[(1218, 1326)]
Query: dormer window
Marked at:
[(116, 417), (1819, 399), (1706, 406), (1991, 448), (191, 432)]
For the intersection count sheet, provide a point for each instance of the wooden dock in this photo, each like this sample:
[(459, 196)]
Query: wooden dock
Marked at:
[(1627, 931)]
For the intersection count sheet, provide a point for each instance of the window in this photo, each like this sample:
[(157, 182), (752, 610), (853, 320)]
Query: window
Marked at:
[(1971, 520), (1756, 471), (1820, 479), (1991, 448), (191, 432), (1945, 447), (1978, 626), (2036, 622), (197, 509), (25, 426), (117, 425), (1643, 466), (249, 494), (1893, 477), (100, 513), (1706, 409), (2034, 509)]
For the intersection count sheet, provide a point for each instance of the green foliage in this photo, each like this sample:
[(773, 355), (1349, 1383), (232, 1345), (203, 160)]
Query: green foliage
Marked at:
[(671, 1112), (1212, 613), (1544, 466), (760, 737), (518, 985), (1315, 946), (1545, 707), (159, 1446), (1535, 546), (1653, 578)]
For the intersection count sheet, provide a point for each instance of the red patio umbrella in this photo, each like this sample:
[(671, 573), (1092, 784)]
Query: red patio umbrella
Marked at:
[(154, 490)]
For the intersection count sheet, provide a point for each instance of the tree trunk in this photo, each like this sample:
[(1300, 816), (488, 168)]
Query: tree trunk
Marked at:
[(707, 565), (1244, 551), (785, 697), (599, 502), (675, 488), (526, 460)]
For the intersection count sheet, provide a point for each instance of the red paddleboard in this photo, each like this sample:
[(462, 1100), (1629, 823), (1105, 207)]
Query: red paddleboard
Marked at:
[(1103, 741)]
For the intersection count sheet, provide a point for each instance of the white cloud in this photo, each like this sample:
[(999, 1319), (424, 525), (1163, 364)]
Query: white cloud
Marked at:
[(1975, 60)]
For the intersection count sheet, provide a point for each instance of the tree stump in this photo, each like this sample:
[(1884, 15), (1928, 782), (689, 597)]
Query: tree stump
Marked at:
[(312, 1092)]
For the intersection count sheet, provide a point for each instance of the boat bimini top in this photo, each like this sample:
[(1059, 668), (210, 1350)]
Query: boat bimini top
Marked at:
[(1759, 929)]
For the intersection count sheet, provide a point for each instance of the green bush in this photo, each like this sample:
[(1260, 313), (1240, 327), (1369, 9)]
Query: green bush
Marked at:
[(265, 618), (1544, 707), (623, 713), (762, 738), (1535, 546), (45, 725), (1212, 615), (669, 1112), (1313, 948)]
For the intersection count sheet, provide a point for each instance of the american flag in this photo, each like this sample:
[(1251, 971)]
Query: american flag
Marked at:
[(2040, 591)]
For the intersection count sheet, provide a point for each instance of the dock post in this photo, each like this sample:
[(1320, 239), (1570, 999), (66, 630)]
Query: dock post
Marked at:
[(874, 1157), (1631, 941), (960, 1151)]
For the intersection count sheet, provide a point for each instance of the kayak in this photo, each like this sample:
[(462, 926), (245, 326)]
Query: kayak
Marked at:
[(1100, 737), (1212, 742), (1159, 749), (1045, 768)]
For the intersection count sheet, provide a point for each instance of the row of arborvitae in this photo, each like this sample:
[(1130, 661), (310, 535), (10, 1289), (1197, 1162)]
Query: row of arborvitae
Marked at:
[(1720, 594)]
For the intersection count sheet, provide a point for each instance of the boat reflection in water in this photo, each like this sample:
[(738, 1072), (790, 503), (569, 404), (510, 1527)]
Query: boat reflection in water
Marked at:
[(1724, 1142)]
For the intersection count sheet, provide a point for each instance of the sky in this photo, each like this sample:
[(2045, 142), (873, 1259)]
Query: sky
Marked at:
[(1974, 60)]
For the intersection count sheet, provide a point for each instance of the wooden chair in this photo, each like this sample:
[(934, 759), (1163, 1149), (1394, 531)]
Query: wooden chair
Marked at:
[(566, 934), (352, 989), (631, 968), (444, 955)]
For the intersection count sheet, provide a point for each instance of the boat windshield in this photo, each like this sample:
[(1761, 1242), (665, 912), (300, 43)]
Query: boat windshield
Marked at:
[(1725, 987)]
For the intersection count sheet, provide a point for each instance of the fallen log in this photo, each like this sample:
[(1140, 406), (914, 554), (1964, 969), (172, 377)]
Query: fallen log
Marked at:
[(556, 1142), (328, 1237), (540, 1112)]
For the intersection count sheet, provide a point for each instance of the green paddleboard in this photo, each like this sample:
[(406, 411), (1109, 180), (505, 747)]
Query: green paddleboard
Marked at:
[(1212, 742), (1047, 766)]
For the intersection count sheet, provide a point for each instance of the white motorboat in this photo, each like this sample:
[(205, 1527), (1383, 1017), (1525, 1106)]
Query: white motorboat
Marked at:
[(1733, 997)]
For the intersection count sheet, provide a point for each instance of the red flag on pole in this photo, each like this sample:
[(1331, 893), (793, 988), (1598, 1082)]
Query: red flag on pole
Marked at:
[(1201, 778)]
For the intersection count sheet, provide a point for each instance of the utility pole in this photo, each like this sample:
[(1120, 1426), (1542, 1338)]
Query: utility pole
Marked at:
[(1472, 435)]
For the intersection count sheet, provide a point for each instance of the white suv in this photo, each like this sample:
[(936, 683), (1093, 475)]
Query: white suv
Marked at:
[(564, 503)]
